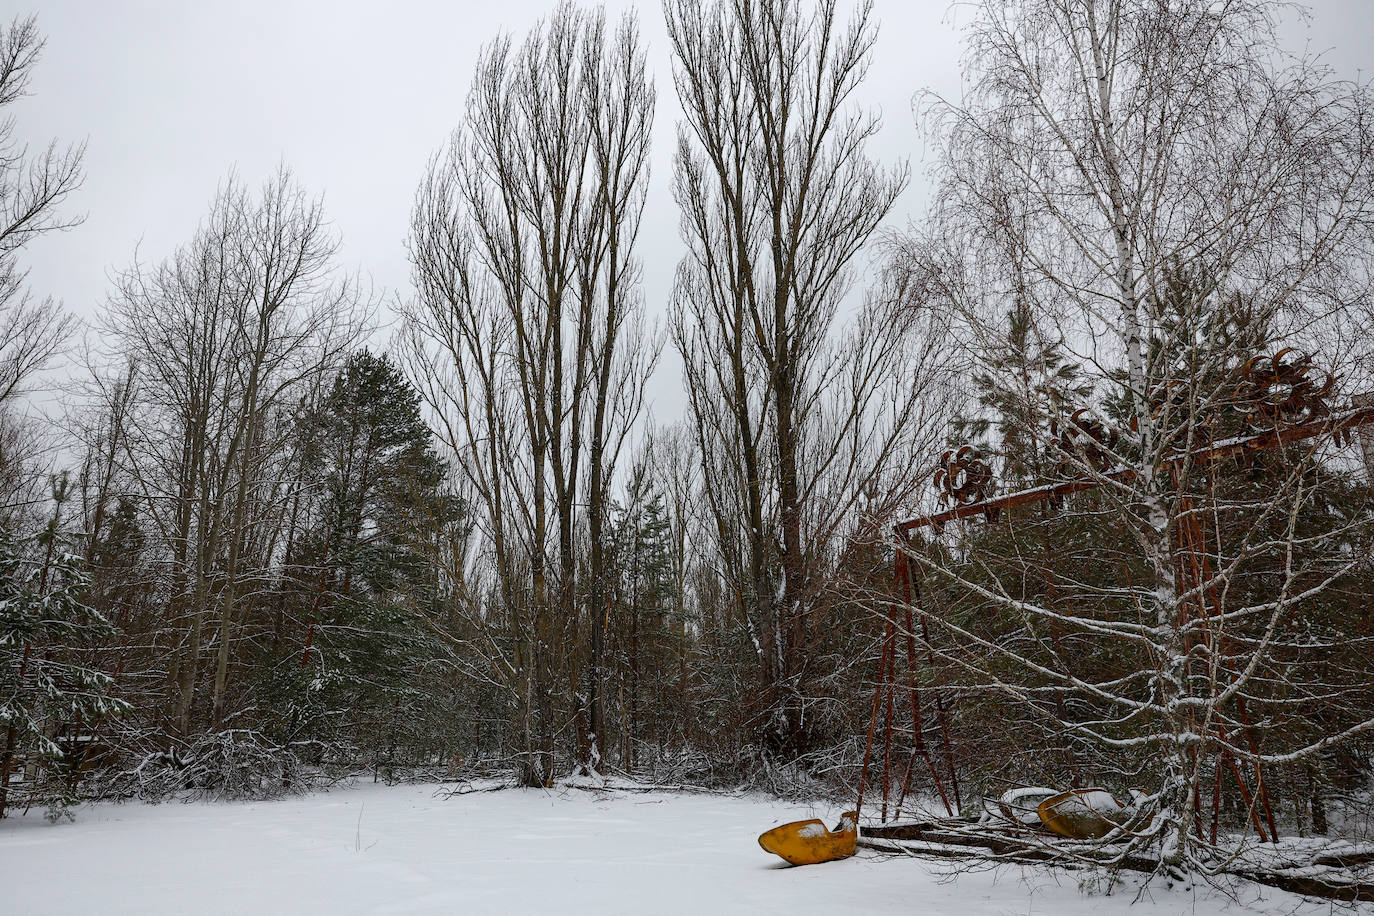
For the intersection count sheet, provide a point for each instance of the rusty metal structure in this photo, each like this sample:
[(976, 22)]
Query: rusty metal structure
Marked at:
[(1284, 399), (964, 477), (1284, 389), (1084, 441)]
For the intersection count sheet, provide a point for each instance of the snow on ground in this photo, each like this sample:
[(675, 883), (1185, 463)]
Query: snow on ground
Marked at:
[(417, 849)]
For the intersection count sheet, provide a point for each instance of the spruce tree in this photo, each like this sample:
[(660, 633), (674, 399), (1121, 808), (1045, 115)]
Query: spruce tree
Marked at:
[(360, 678)]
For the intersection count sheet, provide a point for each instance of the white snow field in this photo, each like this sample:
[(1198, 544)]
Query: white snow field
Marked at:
[(415, 849)]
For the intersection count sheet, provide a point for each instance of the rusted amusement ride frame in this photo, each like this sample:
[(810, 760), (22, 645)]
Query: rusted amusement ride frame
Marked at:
[(1295, 413)]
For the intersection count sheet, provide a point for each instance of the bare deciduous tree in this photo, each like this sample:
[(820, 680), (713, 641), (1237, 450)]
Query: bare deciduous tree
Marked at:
[(778, 196), (224, 339), (528, 344), (32, 188)]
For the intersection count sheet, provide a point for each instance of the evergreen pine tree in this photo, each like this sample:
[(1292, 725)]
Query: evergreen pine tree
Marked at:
[(47, 680), (645, 589), (1026, 383)]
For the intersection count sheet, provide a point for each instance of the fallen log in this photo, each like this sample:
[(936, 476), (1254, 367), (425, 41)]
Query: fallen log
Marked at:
[(1327, 888), (946, 839), (1005, 843)]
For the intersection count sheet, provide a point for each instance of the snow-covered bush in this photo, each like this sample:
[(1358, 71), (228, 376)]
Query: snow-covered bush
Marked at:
[(228, 765)]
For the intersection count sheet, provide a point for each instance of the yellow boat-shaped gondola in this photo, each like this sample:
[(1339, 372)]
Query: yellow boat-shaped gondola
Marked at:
[(809, 842), (1083, 814)]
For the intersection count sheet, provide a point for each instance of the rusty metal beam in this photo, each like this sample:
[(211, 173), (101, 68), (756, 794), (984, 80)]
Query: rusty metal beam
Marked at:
[(1227, 448)]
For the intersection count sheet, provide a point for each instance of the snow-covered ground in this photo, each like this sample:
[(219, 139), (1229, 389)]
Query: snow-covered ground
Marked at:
[(416, 849)]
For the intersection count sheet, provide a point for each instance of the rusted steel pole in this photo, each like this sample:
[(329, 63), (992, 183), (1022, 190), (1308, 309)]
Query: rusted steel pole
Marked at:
[(912, 593), (889, 683), (1216, 796), (917, 720), (1260, 788), (877, 703), (1246, 797)]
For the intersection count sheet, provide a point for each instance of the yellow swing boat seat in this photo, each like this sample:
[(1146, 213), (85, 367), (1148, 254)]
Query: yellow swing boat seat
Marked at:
[(809, 842)]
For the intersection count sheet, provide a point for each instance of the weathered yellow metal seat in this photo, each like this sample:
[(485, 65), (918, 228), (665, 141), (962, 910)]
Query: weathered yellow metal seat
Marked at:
[(1083, 814), (809, 842)]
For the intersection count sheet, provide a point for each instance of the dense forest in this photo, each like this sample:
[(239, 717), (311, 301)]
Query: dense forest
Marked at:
[(258, 550)]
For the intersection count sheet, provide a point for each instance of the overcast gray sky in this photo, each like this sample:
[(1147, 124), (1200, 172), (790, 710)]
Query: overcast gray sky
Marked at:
[(355, 96)]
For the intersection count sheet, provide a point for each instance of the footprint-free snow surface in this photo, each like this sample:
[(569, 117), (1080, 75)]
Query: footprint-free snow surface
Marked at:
[(419, 849)]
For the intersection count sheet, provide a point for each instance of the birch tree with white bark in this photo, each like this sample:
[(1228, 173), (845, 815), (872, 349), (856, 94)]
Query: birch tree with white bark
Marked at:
[(1158, 188)]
